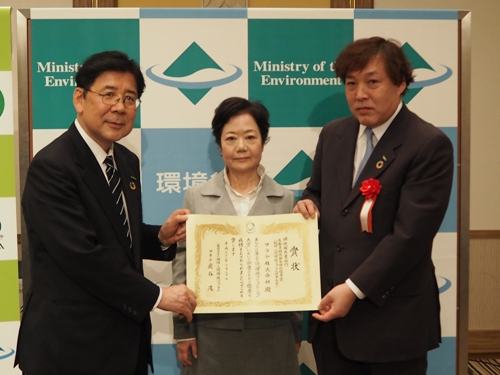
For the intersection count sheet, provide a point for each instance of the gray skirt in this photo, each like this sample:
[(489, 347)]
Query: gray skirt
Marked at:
[(264, 351)]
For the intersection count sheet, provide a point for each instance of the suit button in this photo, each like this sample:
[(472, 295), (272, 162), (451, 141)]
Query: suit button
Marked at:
[(124, 307), (344, 212), (339, 248), (134, 312)]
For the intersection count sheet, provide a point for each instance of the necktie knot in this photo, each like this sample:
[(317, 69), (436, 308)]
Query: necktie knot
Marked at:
[(110, 167), (109, 161)]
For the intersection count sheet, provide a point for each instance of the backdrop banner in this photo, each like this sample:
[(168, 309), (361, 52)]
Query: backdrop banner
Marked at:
[(9, 276), (195, 58)]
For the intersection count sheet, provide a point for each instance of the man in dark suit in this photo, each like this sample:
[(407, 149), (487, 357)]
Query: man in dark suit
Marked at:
[(380, 310), (88, 309)]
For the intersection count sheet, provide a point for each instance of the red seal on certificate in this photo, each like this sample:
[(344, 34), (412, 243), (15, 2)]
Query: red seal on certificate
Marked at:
[(370, 189)]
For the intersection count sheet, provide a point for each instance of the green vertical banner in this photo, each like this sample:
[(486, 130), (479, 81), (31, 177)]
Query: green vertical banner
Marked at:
[(9, 284), (54, 69), (291, 69)]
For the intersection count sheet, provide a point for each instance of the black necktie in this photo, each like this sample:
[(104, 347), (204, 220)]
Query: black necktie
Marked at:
[(114, 181)]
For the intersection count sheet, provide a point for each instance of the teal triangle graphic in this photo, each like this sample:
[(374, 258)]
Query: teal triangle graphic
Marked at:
[(410, 94), (193, 59), (304, 370), (417, 61), (298, 169), (194, 95)]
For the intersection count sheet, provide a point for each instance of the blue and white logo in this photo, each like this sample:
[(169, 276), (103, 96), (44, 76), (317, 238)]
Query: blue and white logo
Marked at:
[(427, 74), (194, 73), (6, 352), (444, 284)]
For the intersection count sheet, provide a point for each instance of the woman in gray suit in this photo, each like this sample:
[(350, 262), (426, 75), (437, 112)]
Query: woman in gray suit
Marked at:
[(250, 343)]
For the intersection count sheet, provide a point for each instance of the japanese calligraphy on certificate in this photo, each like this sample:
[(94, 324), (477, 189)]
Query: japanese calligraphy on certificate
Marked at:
[(253, 263)]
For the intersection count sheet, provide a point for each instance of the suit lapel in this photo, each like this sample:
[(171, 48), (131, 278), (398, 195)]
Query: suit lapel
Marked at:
[(224, 206), (93, 176), (344, 150), (216, 188), (383, 155), (261, 205)]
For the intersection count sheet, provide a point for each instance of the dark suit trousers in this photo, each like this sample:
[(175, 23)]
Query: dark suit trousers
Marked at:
[(142, 358), (330, 361)]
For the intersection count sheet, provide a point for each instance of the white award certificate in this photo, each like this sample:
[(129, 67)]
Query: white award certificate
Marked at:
[(253, 263)]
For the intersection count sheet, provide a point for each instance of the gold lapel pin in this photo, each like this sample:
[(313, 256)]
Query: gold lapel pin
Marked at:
[(132, 185), (379, 164)]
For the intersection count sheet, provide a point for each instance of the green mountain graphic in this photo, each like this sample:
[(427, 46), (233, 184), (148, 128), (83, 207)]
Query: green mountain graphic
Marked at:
[(304, 370), (298, 169), (417, 62), (192, 60)]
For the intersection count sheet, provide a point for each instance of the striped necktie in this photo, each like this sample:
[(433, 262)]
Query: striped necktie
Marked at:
[(114, 181), (368, 152)]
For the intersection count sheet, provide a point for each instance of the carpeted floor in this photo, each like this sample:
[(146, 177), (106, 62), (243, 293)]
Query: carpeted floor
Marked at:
[(484, 366)]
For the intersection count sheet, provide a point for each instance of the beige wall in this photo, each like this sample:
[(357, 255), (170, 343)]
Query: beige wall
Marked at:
[(485, 80)]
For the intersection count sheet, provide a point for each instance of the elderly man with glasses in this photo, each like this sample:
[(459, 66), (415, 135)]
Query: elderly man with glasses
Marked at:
[(88, 309)]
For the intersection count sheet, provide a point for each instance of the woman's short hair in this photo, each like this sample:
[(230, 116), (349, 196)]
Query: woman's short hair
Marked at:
[(235, 106)]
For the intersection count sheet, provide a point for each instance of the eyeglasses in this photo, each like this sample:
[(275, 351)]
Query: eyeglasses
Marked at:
[(111, 99)]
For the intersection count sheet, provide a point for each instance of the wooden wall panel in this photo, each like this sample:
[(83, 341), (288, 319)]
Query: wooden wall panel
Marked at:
[(95, 3), (159, 3), (351, 4), (484, 284)]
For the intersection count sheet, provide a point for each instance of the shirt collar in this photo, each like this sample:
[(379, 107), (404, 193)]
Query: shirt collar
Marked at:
[(381, 129), (261, 171), (97, 150)]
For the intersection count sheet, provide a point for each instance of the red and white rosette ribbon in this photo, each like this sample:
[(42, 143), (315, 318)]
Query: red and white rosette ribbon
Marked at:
[(370, 189)]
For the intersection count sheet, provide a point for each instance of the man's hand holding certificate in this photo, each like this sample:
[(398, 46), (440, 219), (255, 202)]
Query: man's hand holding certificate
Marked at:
[(253, 263)]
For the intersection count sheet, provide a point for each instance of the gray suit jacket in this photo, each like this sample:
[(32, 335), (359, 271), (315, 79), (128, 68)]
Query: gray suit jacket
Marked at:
[(211, 198)]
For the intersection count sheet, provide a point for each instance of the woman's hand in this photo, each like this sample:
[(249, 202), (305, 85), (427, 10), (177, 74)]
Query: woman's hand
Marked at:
[(186, 348)]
